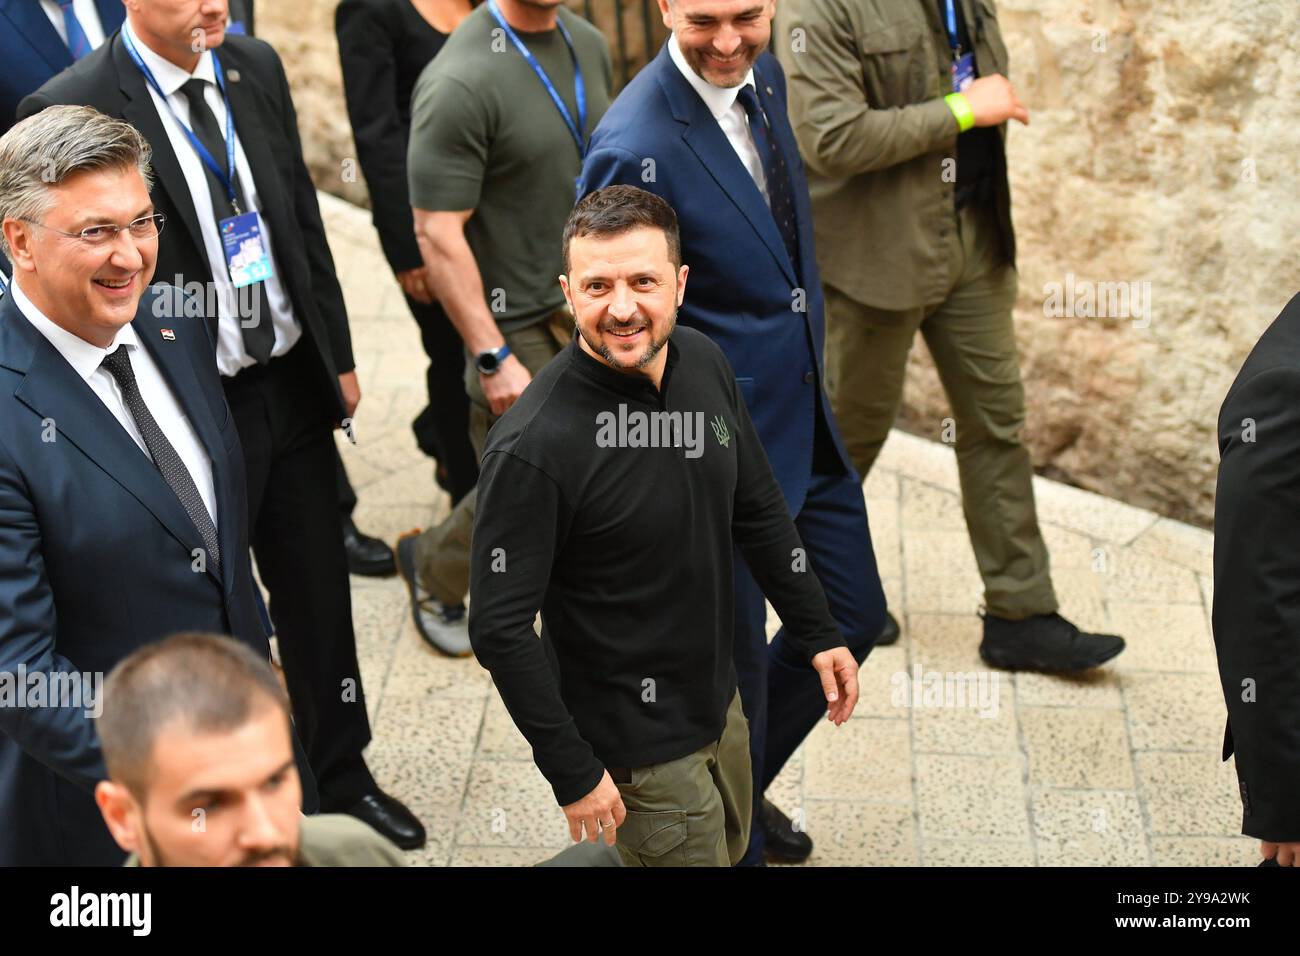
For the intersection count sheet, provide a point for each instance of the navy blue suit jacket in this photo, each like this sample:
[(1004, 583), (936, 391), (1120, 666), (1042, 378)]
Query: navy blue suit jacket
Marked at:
[(96, 561), (742, 291), (32, 50)]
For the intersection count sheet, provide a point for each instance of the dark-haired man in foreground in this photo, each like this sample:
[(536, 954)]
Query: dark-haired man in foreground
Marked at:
[(196, 736), (610, 497)]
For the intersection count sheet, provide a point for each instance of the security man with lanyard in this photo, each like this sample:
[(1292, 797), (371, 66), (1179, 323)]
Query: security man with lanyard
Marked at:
[(247, 238), (900, 110), (500, 121)]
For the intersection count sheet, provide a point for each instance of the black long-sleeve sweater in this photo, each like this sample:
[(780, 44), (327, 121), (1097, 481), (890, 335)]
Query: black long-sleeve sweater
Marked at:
[(613, 507)]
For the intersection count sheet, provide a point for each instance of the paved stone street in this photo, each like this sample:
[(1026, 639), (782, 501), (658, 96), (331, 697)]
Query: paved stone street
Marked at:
[(1119, 769)]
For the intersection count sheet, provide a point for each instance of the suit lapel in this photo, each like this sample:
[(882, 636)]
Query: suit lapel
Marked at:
[(53, 390), (181, 377), (705, 138), (141, 113), (251, 128), (30, 20)]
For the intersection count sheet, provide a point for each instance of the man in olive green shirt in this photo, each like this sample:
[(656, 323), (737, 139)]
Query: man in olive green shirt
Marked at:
[(493, 162), (900, 110), (195, 735)]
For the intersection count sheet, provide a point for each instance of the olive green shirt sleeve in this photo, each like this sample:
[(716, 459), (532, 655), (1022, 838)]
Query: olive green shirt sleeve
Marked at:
[(840, 133), (448, 151)]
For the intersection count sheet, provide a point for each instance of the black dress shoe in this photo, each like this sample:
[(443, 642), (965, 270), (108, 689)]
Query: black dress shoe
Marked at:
[(367, 555), (782, 843), (1044, 642), (889, 633), (389, 818)]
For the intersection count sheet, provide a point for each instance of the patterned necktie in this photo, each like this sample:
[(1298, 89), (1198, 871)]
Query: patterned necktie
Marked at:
[(779, 193), (165, 458), (78, 42), (259, 337)]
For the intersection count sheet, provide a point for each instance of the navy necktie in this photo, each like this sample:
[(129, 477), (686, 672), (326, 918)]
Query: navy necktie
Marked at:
[(780, 195), (259, 336), (78, 42), (118, 364)]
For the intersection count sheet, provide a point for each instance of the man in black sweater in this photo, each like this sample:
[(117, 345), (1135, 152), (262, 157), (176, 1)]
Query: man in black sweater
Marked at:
[(610, 497)]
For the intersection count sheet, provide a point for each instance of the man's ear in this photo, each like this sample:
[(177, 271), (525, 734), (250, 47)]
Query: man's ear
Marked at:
[(19, 236), (564, 287), (665, 12), (120, 812), (681, 283)]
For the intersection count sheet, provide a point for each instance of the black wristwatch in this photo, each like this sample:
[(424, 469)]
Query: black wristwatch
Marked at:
[(489, 362)]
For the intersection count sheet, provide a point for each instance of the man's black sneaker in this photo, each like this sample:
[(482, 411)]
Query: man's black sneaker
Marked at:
[(1044, 642)]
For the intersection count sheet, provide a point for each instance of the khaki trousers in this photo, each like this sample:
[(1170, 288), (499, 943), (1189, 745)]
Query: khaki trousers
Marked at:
[(693, 811), (442, 552), (972, 340)]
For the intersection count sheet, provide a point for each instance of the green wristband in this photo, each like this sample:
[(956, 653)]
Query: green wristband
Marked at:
[(960, 107)]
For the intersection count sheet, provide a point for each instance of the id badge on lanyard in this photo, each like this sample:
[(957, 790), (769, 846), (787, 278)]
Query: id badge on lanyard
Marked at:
[(963, 64), (242, 237), (245, 249)]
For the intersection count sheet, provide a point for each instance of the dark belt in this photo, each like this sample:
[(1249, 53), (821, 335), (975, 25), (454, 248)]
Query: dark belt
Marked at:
[(620, 774)]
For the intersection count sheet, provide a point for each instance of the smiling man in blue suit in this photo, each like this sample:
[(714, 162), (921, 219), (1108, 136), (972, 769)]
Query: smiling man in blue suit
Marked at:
[(704, 126), (122, 492)]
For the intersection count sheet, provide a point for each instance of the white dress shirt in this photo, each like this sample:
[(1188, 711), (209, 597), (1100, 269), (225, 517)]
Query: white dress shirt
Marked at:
[(231, 354), (85, 360), (87, 15), (724, 103)]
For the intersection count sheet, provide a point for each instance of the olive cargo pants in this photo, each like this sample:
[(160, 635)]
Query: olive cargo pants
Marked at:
[(972, 340)]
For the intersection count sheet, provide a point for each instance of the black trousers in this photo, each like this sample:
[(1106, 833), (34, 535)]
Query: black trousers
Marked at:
[(440, 427), (288, 442)]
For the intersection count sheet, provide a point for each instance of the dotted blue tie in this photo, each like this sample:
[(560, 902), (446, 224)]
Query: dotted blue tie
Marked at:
[(78, 42), (779, 193), (118, 364)]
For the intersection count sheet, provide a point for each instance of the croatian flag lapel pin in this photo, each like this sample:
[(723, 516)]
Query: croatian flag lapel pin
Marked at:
[(169, 335)]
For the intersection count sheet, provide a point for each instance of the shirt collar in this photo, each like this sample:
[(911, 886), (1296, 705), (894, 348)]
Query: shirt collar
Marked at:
[(80, 354), (170, 76), (719, 99)]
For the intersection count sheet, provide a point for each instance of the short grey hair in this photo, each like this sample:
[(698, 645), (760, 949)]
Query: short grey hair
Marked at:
[(45, 149)]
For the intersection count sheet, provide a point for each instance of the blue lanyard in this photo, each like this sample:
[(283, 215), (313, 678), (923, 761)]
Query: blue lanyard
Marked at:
[(579, 90), (199, 148), (952, 28)]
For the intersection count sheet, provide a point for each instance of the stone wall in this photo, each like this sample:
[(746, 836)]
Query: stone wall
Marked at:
[(1162, 153)]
